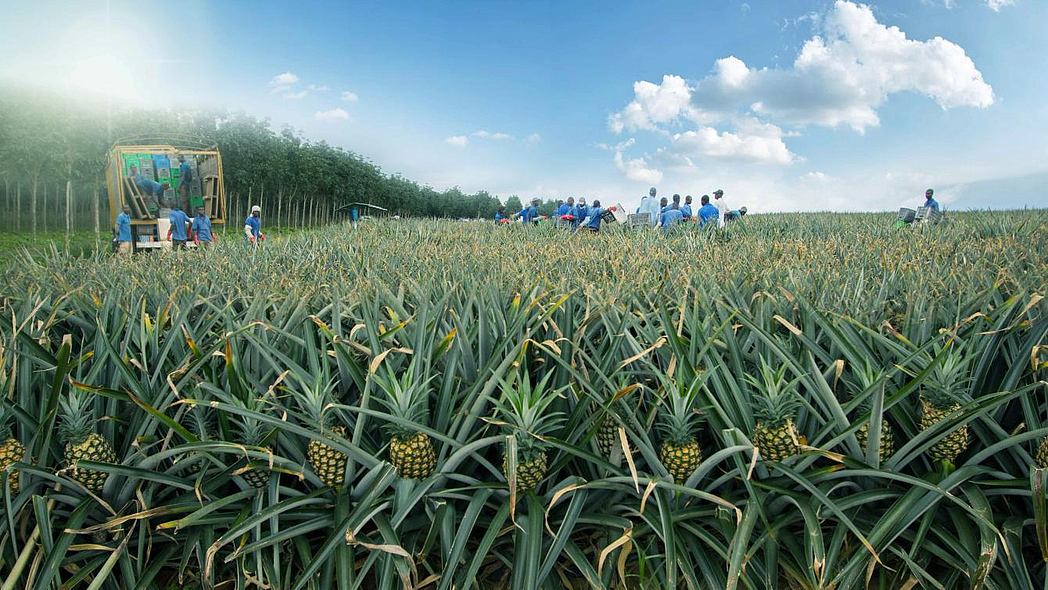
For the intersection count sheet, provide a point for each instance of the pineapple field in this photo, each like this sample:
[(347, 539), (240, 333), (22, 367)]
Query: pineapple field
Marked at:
[(798, 401)]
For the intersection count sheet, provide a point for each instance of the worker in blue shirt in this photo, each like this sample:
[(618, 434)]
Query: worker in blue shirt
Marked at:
[(123, 231), (500, 215), (929, 201), (671, 217), (253, 226), (201, 228), (685, 209), (185, 175), (664, 206), (177, 232), (149, 188), (707, 212), (594, 213), (581, 212), (563, 209)]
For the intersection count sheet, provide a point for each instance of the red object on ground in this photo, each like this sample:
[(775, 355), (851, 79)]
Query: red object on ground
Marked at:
[(568, 217)]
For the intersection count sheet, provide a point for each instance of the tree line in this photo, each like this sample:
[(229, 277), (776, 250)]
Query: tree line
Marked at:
[(53, 151)]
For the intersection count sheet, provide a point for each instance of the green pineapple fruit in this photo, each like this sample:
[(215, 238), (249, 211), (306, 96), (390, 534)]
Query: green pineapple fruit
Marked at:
[(251, 432), (865, 378), (608, 432), (525, 411), (1042, 454), (82, 443), (326, 462), (940, 398), (11, 451), (775, 435), (410, 451), (678, 422)]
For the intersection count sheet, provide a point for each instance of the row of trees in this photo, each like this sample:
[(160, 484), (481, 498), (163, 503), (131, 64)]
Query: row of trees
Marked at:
[(53, 150)]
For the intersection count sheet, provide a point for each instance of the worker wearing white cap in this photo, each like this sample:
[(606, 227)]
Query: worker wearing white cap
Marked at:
[(253, 226)]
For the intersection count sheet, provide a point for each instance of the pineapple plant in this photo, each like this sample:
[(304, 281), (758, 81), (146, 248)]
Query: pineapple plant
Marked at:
[(677, 424), (82, 443), (775, 435), (865, 378), (11, 451), (252, 432), (200, 422), (410, 451), (328, 464), (940, 398), (525, 412)]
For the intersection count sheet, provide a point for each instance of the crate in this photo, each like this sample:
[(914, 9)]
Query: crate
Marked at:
[(906, 215), (928, 215), (638, 219), (564, 223)]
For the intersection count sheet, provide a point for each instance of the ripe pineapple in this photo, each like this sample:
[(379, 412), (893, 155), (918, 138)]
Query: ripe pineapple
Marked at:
[(887, 442), (942, 397), (865, 378), (11, 451), (411, 452), (775, 435), (82, 444), (525, 410), (326, 462), (677, 424)]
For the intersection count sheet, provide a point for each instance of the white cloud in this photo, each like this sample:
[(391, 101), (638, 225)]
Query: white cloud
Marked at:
[(332, 115), (296, 95), (839, 78), (637, 169), (653, 104), (350, 96), (459, 141), (488, 135), (816, 176), (754, 142), (533, 138), (996, 5), (318, 88), (283, 82)]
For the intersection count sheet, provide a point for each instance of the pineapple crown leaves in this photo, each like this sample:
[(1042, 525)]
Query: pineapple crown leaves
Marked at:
[(863, 379), (77, 415), (317, 402), (777, 398), (680, 416), (525, 408), (406, 399), (949, 374)]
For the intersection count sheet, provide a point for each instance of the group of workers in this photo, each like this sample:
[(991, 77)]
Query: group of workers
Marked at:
[(576, 216), (666, 213), (184, 228), (663, 213)]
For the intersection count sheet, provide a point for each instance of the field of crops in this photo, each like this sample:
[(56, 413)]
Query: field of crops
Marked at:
[(799, 401)]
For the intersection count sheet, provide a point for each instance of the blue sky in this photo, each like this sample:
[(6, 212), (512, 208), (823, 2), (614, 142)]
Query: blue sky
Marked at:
[(784, 105)]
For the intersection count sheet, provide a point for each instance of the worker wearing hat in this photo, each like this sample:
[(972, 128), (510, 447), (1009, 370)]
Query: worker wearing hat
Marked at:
[(722, 207), (253, 226)]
